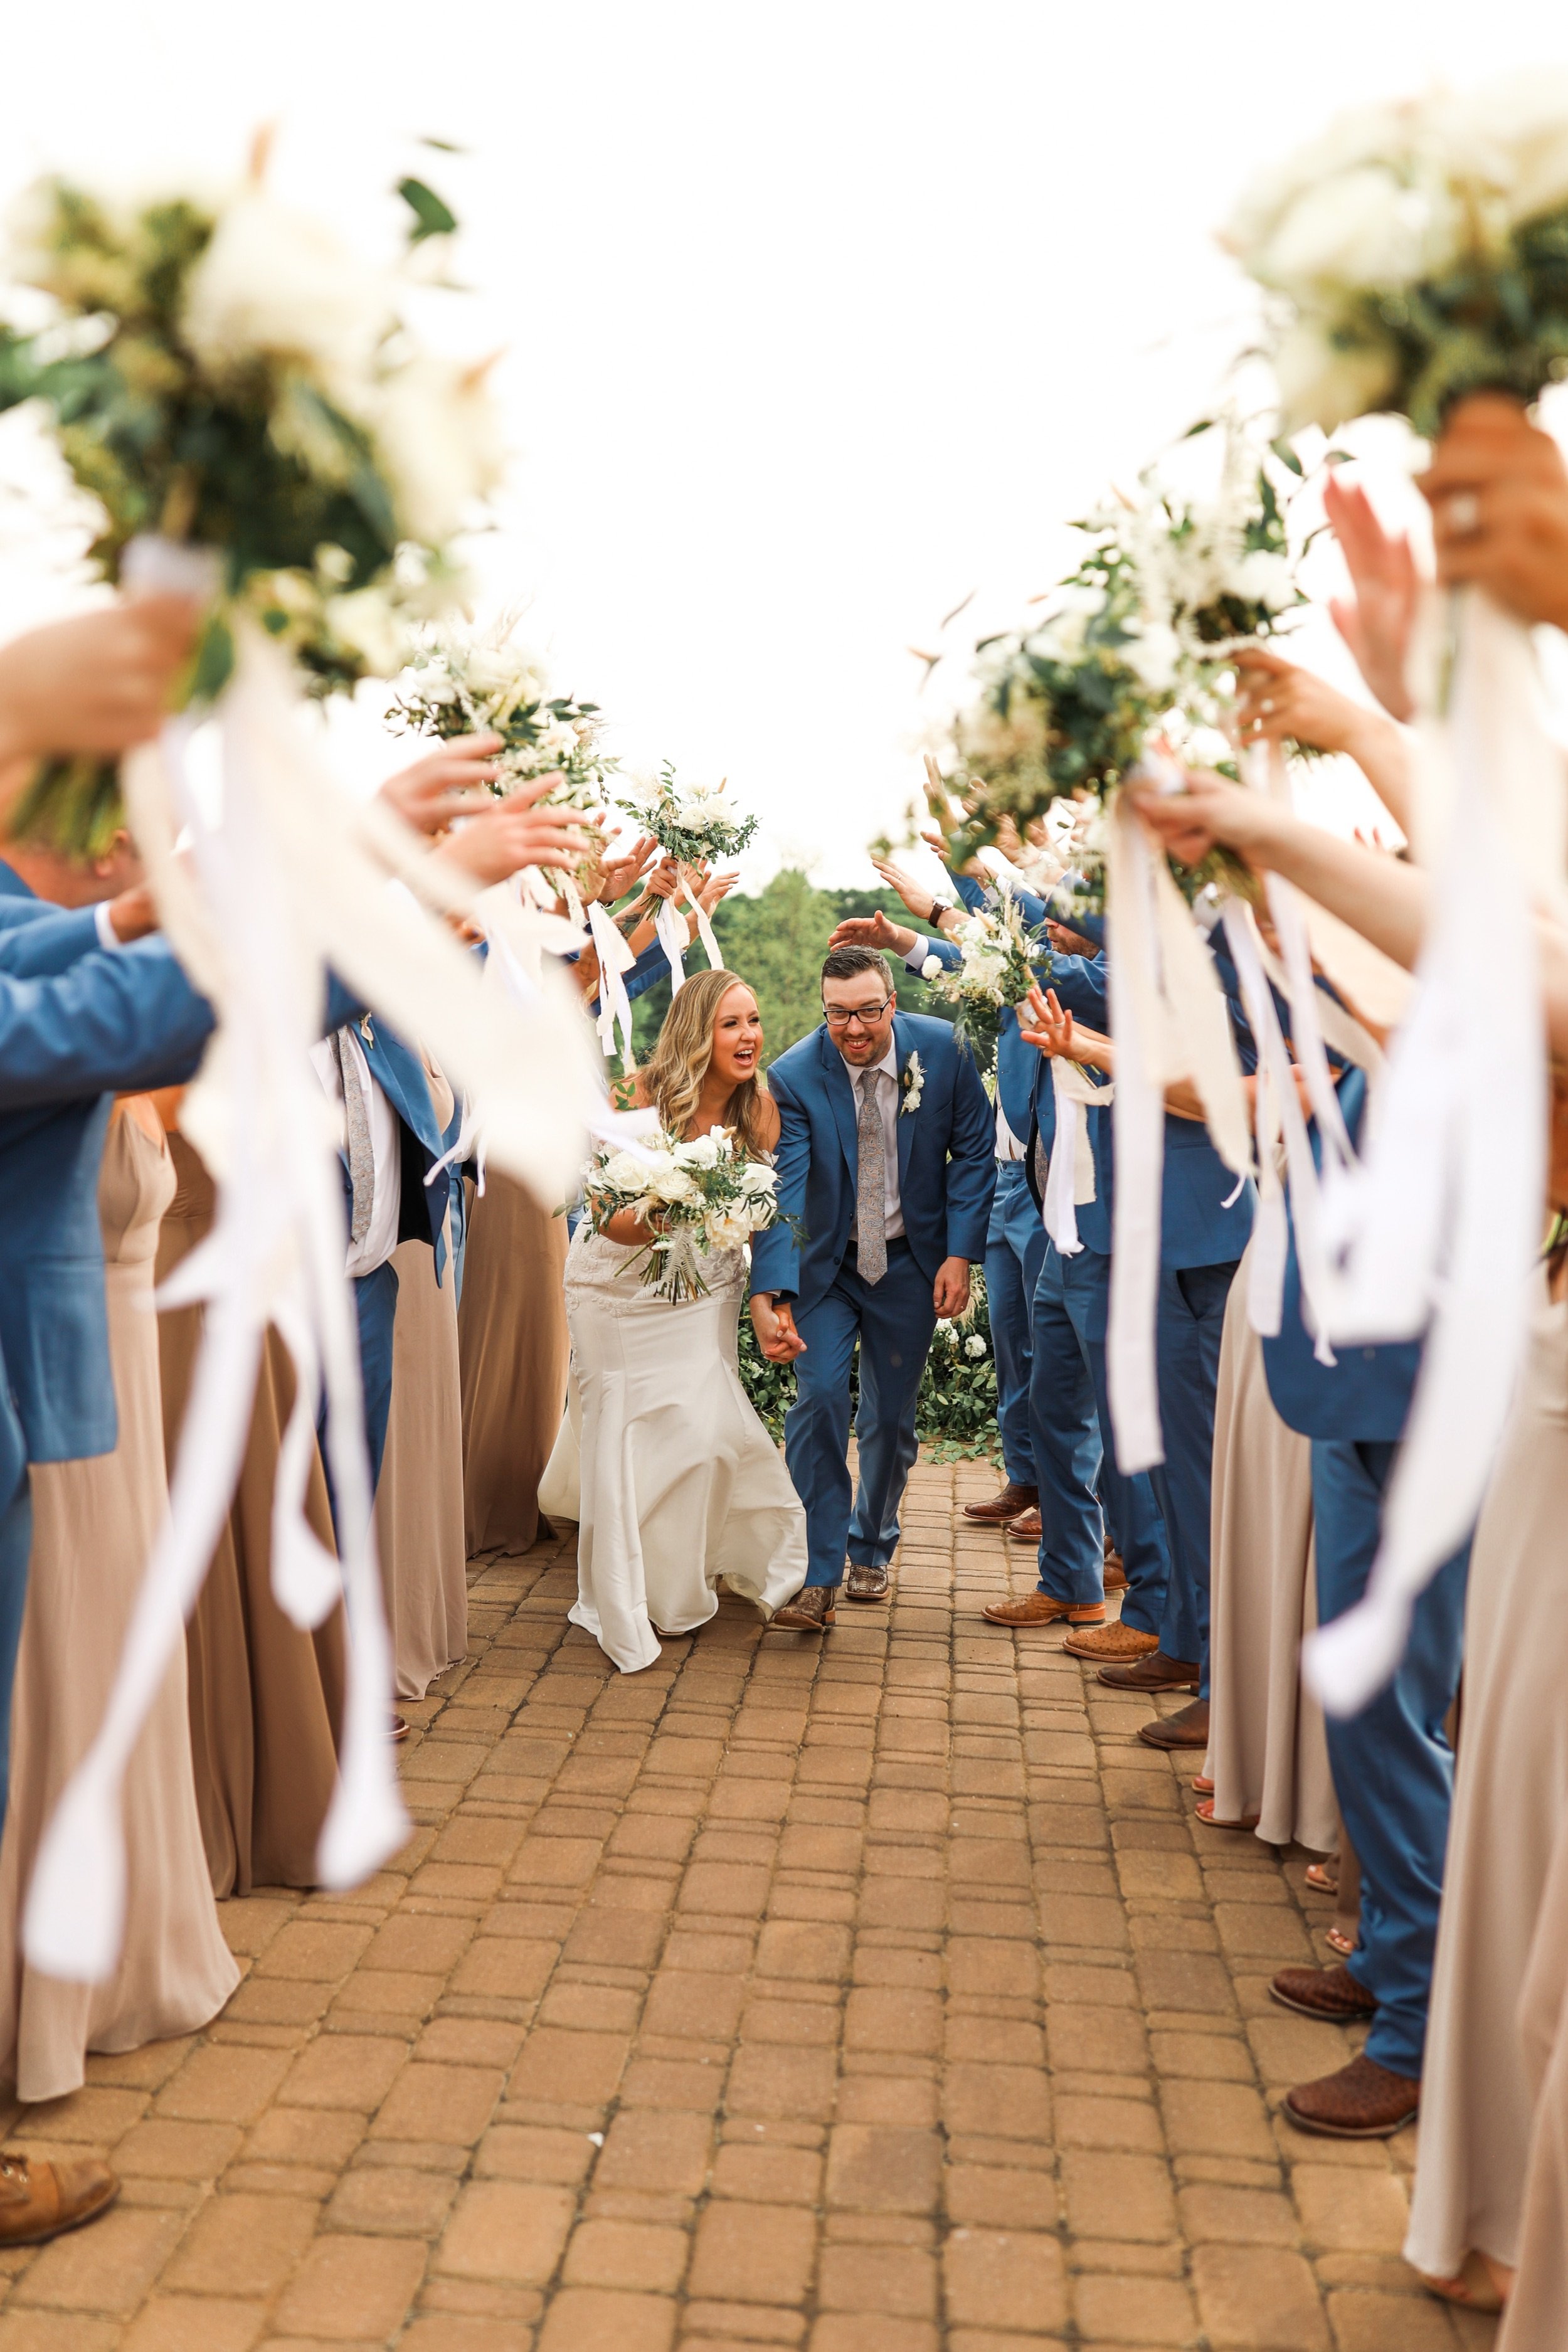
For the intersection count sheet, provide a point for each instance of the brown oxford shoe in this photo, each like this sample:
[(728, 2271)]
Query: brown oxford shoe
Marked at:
[(1188, 1728), (1044, 1609), (1362, 2101), (865, 1584), (1026, 1530), (1004, 1505), (1157, 1673), (1331, 1994), (41, 2201), (811, 1610)]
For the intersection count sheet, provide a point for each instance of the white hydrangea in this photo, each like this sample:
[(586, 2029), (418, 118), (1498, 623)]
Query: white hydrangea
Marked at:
[(974, 1347)]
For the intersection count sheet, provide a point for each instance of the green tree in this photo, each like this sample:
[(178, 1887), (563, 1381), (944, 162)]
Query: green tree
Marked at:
[(776, 944)]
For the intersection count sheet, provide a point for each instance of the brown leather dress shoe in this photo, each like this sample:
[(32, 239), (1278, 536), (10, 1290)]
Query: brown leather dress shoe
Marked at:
[(811, 1610), (1332, 1994), (1363, 2101), (1026, 1530), (1112, 1644), (40, 2200), (865, 1584), (1004, 1506), (1115, 1574), (1044, 1609), (1157, 1673), (1188, 1728)]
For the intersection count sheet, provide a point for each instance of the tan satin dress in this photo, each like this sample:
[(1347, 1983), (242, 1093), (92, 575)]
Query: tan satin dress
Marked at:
[(1536, 2319), (1480, 2083), (1268, 1751), (512, 1329), (94, 1522), (419, 1502), (266, 1699)]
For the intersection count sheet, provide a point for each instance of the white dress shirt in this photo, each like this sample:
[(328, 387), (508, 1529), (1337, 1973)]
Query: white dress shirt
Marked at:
[(887, 1071), (104, 923), (387, 1152), (1008, 1148)]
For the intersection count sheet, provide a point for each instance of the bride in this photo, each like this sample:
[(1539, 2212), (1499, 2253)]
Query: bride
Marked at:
[(680, 1484)]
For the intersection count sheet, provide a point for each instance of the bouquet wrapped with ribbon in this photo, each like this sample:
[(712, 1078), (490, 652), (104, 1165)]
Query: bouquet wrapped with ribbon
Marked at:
[(995, 971), (238, 391), (1413, 256), (697, 826), (695, 1197)]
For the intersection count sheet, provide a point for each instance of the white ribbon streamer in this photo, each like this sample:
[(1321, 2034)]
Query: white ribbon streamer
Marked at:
[(615, 960), (1443, 1224), (1070, 1175), (704, 928), (670, 929)]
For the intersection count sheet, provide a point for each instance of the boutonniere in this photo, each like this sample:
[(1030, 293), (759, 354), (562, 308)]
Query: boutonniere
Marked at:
[(366, 1030), (914, 1086)]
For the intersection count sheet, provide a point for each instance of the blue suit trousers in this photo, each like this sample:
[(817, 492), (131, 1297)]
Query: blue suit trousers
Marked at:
[(15, 1545), (375, 1309), (1069, 1408), (893, 1321), (1015, 1252), (1187, 1337), (1392, 1766)]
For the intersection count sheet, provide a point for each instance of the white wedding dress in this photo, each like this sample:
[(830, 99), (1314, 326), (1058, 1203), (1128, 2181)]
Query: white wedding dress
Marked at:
[(661, 1460)]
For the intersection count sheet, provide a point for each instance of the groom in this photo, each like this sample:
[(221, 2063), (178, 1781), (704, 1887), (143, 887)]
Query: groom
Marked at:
[(887, 1159)]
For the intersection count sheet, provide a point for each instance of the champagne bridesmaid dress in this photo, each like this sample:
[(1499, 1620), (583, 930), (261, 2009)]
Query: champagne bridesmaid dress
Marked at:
[(419, 1502), (512, 1326), (94, 1522)]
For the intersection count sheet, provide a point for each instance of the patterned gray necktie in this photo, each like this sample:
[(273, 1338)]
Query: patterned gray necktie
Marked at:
[(870, 1189), (362, 1158), (1042, 1162)]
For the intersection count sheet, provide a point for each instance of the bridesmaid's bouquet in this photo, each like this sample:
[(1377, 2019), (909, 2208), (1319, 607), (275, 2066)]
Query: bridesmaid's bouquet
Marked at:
[(227, 376), (1416, 252), (699, 1195), (995, 971), (696, 824), (465, 682)]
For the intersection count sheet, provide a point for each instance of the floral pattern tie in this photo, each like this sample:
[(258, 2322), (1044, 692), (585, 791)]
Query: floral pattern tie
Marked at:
[(362, 1158)]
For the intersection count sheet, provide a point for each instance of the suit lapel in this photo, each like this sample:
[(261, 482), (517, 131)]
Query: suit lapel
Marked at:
[(841, 1096), (904, 1129)]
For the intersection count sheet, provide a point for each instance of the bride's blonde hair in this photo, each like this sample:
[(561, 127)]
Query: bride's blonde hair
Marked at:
[(672, 1076)]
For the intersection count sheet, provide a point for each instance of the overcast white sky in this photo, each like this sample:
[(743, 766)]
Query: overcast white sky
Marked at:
[(815, 318)]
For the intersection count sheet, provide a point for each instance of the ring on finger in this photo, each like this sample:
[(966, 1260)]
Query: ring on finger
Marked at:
[(1463, 514)]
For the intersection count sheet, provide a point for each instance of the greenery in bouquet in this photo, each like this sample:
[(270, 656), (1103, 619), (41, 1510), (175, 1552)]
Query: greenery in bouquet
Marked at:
[(995, 970), (1416, 252), (696, 824), (465, 682), (223, 374), (697, 1196)]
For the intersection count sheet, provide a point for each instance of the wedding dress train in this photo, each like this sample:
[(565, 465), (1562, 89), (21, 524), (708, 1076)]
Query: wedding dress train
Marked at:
[(673, 1480)]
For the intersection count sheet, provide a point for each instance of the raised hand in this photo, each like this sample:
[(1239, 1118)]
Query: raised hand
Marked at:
[(512, 833), (716, 887), (447, 783), (1188, 823), (873, 931), (915, 896), (1049, 1030), (934, 838), (95, 685), (1278, 702), (1497, 489), (1376, 622), (616, 876)]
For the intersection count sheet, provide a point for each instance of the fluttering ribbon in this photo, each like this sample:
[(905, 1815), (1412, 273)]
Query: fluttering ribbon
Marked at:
[(1169, 1020), (669, 927), (1440, 1229), (705, 931), (288, 875), (1070, 1175), (615, 960)]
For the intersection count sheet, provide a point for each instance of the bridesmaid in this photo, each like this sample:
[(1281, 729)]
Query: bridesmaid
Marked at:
[(266, 1699), (512, 1326), (94, 1522)]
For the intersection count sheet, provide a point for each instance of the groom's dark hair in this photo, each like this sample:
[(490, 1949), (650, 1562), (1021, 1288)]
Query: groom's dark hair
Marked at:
[(843, 963)]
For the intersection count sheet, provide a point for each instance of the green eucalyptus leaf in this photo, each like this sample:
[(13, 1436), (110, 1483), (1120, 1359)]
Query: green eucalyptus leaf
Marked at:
[(432, 215)]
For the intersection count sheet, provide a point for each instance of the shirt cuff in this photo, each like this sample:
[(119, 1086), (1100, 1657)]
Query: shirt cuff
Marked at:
[(917, 958), (108, 937)]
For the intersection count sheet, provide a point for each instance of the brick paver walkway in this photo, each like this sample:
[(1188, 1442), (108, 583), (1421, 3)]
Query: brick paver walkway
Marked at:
[(879, 1995)]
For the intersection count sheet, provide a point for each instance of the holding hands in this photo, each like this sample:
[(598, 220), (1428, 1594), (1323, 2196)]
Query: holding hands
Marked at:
[(777, 1337)]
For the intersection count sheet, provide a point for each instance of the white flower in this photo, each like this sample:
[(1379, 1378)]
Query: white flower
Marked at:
[(944, 1325), (701, 1152), (1326, 383), (1363, 227), (974, 1347), (369, 625), (758, 1179), (1261, 577), (1153, 655), (277, 284), (727, 1228), (914, 1086), (439, 435), (625, 1172), (933, 968)]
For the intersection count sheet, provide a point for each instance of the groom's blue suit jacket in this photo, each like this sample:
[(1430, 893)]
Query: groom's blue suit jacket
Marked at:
[(947, 1158)]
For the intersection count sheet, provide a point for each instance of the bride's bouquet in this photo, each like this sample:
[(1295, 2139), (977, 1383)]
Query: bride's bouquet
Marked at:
[(466, 682), (699, 1195), (994, 970), (696, 824), (1417, 252), (227, 376)]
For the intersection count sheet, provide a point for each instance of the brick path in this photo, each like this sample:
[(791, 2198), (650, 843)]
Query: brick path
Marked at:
[(873, 1996)]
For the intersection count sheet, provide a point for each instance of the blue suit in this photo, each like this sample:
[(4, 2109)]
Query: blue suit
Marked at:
[(1392, 1766), (946, 1177)]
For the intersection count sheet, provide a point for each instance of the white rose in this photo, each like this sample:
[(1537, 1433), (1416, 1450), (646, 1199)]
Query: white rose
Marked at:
[(758, 1179), (944, 1323), (673, 1186), (1321, 382), (277, 283), (439, 435), (624, 1171), (701, 1152), (1526, 116), (727, 1228), (1363, 227), (933, 968), (974, 1347), (367, 623)]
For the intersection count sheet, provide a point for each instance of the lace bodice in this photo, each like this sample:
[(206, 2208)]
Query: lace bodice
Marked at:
[(613, 1271)]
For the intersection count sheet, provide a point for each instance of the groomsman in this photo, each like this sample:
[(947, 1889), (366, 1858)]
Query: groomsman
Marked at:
[(886, 1165)]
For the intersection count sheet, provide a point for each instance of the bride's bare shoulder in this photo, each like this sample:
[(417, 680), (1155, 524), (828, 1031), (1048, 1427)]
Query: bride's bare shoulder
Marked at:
[(767, 1120)]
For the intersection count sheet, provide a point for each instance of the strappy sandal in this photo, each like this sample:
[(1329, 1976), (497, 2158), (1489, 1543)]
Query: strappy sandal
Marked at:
[(1205, 1814), (1475, 2289), (1323, 1877), (1203, 1784), (1338, 1941)]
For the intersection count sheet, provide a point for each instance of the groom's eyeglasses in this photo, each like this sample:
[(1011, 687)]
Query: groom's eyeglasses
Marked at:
[(838, 1016)]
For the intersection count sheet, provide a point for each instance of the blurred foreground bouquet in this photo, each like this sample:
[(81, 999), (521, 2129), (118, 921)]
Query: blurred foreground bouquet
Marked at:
[(229, 376)]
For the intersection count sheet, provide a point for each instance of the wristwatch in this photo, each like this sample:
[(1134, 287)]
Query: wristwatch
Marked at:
[(939, 907)]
